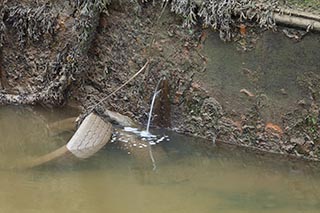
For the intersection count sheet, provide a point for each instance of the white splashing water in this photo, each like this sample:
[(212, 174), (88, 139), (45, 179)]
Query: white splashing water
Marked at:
[(147, 136)]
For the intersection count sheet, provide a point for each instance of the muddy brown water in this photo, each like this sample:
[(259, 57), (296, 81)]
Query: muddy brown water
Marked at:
[(192, 177), (273, 71)]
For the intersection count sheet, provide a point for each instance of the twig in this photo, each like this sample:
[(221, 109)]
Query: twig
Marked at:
[(157, 24), (119, 88)]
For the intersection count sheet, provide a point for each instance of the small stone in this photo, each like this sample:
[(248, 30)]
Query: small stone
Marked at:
[(302, 102), (195, 86), (248, 127), (288, 148), (259, 127), (311, 153), (299, 141), (283, 91)]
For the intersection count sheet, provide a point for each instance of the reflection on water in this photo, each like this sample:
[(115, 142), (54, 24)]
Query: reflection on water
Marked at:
[(191, 177)]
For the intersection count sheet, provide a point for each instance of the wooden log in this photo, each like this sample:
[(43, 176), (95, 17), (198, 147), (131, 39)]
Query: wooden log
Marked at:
[(296, 21), (90, 137), (297, 13)]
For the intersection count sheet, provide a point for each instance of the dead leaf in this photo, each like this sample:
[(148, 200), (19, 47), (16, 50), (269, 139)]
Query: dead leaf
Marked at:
[(274, 128), (243, 29)]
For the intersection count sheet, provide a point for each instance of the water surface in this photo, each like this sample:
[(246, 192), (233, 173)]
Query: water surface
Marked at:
[(190, 176)]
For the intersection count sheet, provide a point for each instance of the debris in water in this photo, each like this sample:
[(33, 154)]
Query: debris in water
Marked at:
[(161, 139), (246, 92), (130, 129)]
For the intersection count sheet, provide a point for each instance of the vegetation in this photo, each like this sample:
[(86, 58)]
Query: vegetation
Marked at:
[(225, 15)]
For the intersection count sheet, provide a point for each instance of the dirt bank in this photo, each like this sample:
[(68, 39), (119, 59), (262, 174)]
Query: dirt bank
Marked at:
[(74, 55)]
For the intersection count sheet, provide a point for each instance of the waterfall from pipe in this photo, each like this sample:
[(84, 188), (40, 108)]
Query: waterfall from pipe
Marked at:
[(151, 109), (156, 92)]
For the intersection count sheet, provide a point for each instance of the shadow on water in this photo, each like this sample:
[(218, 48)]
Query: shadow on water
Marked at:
[(272, 70)]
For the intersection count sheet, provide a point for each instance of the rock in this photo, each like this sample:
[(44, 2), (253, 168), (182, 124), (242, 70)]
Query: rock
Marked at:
[(283, 91), (302, 103), (288, 148), (299, 141)]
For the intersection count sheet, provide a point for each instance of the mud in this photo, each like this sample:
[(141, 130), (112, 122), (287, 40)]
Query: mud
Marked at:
[(73, 65)]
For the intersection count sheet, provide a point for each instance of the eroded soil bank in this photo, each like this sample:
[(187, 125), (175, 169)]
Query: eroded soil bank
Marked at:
[(78, 57)]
